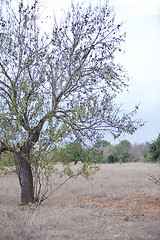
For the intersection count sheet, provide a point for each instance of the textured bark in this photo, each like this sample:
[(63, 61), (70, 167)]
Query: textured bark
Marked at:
[(25, 178)]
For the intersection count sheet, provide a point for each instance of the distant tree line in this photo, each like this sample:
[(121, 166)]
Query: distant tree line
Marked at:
[(104, 152), (126, 152)]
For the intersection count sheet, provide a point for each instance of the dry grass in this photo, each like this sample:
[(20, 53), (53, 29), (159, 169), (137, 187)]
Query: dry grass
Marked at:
[(119, 203)]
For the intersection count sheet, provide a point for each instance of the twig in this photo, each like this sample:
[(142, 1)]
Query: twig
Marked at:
[(154, 178), (52, 192)]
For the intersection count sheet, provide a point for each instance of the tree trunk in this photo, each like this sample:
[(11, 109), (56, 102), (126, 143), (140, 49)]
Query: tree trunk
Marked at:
[(25, 179)]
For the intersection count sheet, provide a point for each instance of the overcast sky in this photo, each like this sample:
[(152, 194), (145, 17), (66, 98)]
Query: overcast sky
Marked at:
[(141, 59)]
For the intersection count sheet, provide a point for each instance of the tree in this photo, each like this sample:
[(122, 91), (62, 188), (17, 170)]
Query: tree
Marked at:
[(2, 5), (154, 149), (74, 152), (59, 84), (102, 144), (112, 158), (139, 152), (122, 150)]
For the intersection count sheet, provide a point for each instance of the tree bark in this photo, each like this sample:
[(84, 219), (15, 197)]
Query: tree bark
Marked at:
[(25, 179)]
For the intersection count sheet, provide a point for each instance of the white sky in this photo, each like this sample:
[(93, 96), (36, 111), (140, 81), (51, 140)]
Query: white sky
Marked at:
[(141, 59)]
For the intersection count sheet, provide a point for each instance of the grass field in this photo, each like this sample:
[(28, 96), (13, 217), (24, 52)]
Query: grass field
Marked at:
[(119, 203)]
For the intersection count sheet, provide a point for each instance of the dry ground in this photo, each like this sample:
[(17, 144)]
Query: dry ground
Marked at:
[(119, 203)]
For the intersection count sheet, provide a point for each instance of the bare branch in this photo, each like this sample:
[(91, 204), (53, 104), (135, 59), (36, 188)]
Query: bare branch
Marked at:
[(155, 179), (5, 73), (5, 147), (52, 192)]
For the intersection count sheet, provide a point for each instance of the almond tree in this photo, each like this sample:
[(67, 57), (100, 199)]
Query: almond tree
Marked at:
[(58, 85)]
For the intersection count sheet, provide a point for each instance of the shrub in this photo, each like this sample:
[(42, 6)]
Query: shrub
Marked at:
[(112, 158), (154, 149)]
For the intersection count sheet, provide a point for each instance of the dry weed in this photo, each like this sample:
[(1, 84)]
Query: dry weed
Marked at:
[(119, 203)]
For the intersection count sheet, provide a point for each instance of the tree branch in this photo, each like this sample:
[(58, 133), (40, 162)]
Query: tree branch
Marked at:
[(155, 179), (5, 147), (6, 74), (53, 191)]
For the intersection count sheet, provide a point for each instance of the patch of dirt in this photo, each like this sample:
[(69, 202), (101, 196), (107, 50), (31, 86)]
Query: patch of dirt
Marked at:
[(135, 206)]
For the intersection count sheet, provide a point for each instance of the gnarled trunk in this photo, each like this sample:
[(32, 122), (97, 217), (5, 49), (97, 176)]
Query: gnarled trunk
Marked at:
[(25, 178)]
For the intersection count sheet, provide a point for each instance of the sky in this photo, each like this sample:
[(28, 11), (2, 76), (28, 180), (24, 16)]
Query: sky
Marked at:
[(141, 59)]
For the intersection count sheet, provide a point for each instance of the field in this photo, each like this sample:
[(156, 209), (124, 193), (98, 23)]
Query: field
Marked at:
[(119, 203)]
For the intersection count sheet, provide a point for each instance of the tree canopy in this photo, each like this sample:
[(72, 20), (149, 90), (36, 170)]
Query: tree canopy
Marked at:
[(59, 84)]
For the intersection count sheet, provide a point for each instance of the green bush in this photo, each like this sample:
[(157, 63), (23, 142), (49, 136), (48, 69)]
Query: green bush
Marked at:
[(126, 157), (154, 149), (75, 152), (112, 158), (148, 159)]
